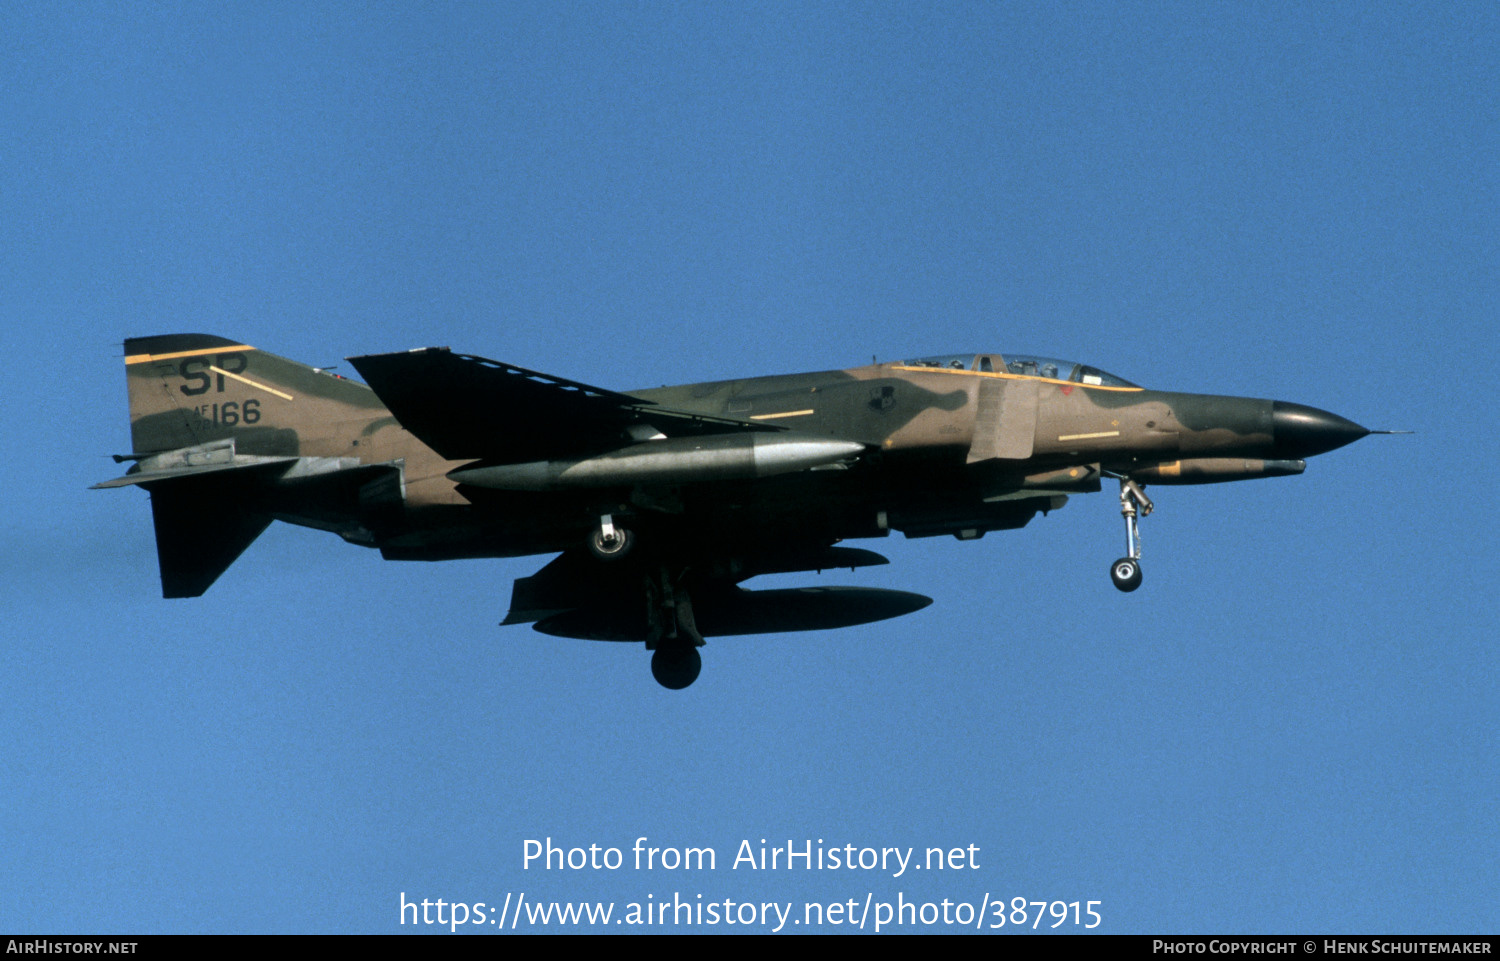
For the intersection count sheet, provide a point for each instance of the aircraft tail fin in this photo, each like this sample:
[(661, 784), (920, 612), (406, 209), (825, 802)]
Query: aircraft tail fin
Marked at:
[(225, 437), (192, 389)]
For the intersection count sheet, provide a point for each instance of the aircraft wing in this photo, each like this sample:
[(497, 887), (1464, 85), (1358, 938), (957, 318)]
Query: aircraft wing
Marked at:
[(463, 407)]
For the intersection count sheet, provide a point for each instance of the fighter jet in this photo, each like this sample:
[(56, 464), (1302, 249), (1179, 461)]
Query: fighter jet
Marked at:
[(659, 503)]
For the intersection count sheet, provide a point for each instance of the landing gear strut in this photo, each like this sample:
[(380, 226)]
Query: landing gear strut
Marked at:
[(673, 634), (1126, 572)]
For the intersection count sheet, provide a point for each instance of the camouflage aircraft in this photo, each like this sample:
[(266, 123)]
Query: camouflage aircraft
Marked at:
[(661, 502)]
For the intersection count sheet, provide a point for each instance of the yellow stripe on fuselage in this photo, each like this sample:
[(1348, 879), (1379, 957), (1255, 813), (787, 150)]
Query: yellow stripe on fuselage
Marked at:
[(1010, 376), (148, 358), (788, 413)]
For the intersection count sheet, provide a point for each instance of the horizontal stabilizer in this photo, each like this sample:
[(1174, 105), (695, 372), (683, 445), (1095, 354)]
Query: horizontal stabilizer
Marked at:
[(209, 503), (262, 465)]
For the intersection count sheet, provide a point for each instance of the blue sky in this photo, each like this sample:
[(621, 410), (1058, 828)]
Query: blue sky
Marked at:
[(1291, 727)]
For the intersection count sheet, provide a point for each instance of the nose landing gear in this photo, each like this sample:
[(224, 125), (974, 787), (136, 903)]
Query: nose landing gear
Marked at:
[(1126, 572)]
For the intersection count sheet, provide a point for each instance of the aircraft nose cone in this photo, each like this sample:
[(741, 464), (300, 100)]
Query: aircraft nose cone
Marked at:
[(1301, 431)]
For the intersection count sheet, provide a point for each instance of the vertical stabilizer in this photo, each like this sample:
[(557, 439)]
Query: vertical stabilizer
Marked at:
[(193, 389), (216, 426)]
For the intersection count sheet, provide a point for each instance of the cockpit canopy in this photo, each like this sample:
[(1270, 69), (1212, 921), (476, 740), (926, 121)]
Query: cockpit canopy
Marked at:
[(1025, 365)]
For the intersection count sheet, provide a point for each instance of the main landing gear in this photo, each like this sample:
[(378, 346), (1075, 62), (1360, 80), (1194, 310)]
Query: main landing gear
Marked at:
[(608, 542), (673, 632), (676, 667), (1126, 572)]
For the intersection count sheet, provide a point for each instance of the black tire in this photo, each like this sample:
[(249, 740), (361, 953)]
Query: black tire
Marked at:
[(1126, 573), (676, 667), (613, 549)]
